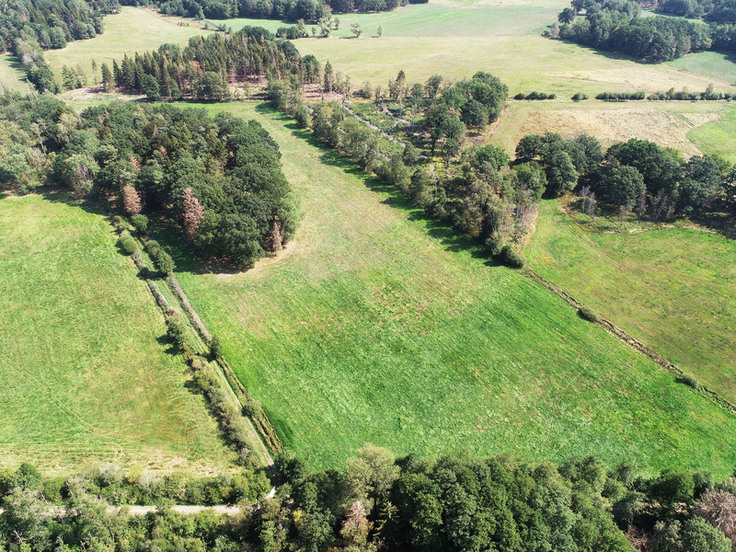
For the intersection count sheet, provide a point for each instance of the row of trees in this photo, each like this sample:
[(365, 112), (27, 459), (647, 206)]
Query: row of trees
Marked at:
[(309, 11), (635, 174), (218, 179), (207, 65), (452, 503), (616, 25)]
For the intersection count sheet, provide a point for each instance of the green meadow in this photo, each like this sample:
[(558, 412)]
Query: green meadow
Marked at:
[(377, 325), (672, 288), (85, 377)]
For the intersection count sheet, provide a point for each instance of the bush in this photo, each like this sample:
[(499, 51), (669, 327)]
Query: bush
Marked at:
[(176, 331), (586, 313), (215, 347), (690, 381), (127, 244), (579, 96), (119, 223), (301, 115), (511, 258), (140, 223)]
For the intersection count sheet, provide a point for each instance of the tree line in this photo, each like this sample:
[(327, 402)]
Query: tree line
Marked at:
[(309, 11), (617, 26), (713, 11), (219, 180), (378, 502)]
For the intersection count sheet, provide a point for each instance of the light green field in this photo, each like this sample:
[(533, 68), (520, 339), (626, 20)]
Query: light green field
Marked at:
[(378, 326), (674, 289), (711, 64), (442, 18), (83, 377), (132, 30), (718, 136), (11, 78)]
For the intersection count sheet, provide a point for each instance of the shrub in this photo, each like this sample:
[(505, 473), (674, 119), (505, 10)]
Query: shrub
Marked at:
[(127, 244), (140, 223), (252, 409), (579, 96), (510, 258), (152, 247), (215, 347), (586, 313), (494, 245), (164, 263), (302, 117), (176, 331), (119, 223), (690, 381)]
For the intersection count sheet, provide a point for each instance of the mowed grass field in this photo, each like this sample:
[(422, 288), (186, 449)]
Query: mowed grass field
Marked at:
[(674, 288), (718, 136), (376, 325), (132, 30), (84, 377)]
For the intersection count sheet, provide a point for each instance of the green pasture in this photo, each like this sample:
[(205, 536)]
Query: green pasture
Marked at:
[(132, 30), (377, 325), (716, 65), (11, 77), (718, 136), (85, 376), (672, 288)]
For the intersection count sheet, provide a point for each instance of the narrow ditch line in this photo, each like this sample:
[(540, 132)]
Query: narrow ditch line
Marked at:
[(629, 340)]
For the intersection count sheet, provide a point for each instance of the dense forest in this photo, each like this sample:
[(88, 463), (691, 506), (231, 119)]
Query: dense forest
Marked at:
[(712, 11), (453, 503), (618, 26), (204, 68), (219, 180)]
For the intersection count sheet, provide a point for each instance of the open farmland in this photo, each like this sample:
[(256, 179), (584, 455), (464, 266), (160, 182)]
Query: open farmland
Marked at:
[(376, 325), (84, 374), (716, 65), (718, 136), (131, 30), (673, 288), (669, 124)]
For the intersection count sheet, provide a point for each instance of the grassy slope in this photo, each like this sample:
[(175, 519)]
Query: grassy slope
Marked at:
[(675, 289), (82, 376), (133, 29), (377, 326), (718, 136), (711, 64), (11, 77)]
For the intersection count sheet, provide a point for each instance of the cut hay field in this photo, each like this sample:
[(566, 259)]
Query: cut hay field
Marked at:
[(376, 325), (674, 288), (670, 124), (131, 30), (84, 379)]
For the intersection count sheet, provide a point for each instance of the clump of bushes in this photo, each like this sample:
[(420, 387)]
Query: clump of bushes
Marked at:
[(579, 96), (215, 347), (119, 223), (127, 244), (510, 258), (534, 95), (176, 331), (140, 223), (620, 96), (691, 382), (586, 313), (161, 259)]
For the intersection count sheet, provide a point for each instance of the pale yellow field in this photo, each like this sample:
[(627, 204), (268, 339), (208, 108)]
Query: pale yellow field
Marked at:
[(666, 123)]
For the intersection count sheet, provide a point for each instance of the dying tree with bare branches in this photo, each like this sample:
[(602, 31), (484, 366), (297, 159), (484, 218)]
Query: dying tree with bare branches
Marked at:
[(131, 200), (193, 211), (719, 509)]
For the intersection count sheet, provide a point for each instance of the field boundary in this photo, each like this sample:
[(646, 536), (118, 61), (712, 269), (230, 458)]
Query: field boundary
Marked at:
[(631, 341), (263, 435)]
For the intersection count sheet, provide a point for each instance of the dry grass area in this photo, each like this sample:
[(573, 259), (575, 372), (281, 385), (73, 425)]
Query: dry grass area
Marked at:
[(666, 123)]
